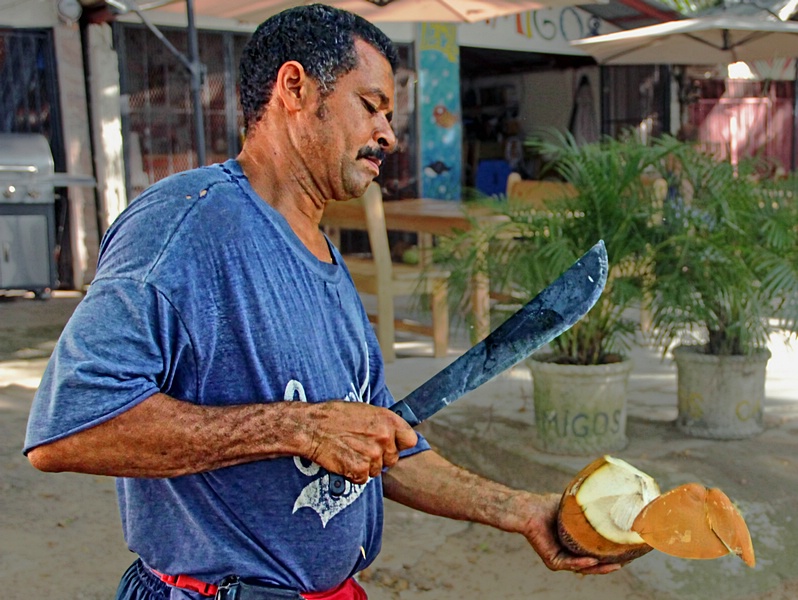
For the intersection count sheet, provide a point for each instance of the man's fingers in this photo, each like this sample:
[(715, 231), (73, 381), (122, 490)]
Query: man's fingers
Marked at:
[(360, 479), (358, 474), (406, 437), (600, 569), (566, 562), (359, 440), (389, 459), (584, 565)]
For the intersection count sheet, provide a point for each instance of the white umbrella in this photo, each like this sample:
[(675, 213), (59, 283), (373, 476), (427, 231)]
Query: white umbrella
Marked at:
[(451, 11), (710, 40)]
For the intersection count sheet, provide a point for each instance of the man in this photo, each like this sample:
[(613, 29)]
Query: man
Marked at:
[(221, 364)]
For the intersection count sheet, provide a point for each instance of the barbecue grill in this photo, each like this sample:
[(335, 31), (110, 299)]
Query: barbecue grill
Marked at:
[(27, 212)]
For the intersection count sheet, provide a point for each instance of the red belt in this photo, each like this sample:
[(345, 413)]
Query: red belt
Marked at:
[(186, 582), (348, 590)]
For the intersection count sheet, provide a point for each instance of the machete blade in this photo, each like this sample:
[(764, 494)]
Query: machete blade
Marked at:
[(549, 314)]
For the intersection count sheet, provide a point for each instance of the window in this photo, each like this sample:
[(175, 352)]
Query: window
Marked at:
[(158, 124), (635, 97)]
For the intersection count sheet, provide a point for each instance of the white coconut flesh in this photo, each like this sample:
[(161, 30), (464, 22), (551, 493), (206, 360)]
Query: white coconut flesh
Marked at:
[(612, 496)]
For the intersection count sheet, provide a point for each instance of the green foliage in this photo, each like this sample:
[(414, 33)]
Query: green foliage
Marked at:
[(711, 249), (724, 251), (530, 248)]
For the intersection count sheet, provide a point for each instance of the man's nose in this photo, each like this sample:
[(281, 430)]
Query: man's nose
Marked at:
[(386, 138)]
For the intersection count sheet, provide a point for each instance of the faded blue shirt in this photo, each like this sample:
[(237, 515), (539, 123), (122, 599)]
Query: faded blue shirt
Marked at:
[(204, 293)]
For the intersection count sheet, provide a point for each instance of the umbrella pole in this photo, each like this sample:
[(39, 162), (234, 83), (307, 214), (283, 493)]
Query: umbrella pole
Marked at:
[(195, 70)]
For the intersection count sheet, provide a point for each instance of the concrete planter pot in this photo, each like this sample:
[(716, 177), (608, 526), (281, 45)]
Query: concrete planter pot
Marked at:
[(720, 397), (579, 409)]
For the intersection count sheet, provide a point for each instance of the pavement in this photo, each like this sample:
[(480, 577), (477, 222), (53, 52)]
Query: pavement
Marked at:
[(492, 431)]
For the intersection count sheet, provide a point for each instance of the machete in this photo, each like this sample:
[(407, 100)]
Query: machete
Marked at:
[(549, 314)]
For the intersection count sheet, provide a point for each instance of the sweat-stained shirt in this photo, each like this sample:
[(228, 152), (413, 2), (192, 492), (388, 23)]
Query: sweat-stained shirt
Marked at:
[(204, 293)]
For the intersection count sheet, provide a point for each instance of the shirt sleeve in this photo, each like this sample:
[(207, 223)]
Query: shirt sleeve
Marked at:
[(119, 348)]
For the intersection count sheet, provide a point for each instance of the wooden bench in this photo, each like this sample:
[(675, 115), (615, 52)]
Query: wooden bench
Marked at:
[(377, 275), (535, 193)]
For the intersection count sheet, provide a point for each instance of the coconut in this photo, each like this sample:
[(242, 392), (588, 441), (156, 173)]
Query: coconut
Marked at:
[(691, 521), (599, 507), (615, 512)]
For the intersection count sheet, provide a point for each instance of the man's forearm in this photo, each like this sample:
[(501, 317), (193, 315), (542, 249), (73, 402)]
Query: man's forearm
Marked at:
[(430, 483), (165, 437)]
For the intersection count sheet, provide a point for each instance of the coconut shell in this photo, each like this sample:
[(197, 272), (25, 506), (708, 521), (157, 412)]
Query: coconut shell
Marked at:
[(729, 525), (691, 521), (578, 535)]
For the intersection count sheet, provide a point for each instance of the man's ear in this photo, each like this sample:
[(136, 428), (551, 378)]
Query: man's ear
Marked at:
[(291, 85)]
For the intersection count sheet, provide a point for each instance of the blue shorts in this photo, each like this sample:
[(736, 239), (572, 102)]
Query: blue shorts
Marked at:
[(138, 583)]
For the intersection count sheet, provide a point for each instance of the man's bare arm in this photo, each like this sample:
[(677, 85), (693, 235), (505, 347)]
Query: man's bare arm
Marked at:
[(165, 437), (428, 482)]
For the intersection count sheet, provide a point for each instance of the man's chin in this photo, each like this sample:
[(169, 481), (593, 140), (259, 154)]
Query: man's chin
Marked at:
[(359, 189)]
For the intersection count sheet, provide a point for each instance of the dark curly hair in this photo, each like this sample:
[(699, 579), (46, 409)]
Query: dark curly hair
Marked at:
[(321, 38)]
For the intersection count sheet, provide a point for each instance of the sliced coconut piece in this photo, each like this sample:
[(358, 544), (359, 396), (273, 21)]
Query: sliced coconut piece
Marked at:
[(600, 505), (691, 521), (729, 525)]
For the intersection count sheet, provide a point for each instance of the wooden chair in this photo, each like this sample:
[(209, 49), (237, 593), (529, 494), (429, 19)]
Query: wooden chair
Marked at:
[(379, 276)]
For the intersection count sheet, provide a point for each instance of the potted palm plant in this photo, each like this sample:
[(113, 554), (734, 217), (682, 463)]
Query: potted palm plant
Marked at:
[(724, 251), (579, 381)]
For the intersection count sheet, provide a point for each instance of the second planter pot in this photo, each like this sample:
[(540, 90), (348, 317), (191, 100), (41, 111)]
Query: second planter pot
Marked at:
[(720, 397)]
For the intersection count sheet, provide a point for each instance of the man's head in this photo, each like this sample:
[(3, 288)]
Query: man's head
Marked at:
[(319, 37)]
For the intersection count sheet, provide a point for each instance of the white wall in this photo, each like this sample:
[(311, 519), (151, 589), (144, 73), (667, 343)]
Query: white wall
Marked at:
[(28, 13), (77, 144), (547, 30), (106, 124)]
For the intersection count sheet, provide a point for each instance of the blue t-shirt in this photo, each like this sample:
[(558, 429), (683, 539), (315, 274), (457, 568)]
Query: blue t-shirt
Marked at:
[(203, 292)]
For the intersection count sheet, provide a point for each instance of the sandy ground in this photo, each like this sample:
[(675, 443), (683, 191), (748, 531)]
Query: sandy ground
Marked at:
[(60, 535)]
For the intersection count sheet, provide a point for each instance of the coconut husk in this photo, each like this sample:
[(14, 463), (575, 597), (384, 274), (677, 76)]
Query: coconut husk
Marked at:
[(691, 521)]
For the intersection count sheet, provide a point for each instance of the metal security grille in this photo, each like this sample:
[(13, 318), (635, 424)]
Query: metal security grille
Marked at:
[(635, 97), (157, 121), (29, 103), (28, 87)]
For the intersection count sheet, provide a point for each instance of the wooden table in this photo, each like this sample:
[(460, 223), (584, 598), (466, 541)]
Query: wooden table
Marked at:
[(427, 218)]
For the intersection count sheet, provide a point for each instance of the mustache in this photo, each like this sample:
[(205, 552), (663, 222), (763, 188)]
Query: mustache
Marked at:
[(369, 152)]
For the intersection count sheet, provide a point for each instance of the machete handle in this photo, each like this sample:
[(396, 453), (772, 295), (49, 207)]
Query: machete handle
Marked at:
[(403, 410), (338, 482)]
